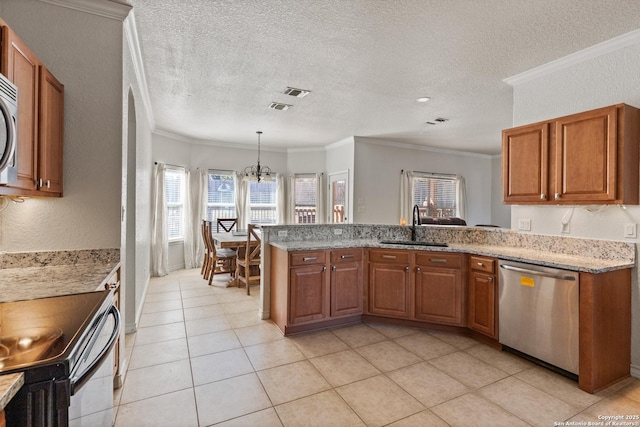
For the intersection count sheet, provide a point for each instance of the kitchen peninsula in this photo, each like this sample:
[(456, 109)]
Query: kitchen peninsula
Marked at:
[(326, 275)]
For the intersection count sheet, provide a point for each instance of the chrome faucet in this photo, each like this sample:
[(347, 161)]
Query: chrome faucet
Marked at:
[(415, 221)]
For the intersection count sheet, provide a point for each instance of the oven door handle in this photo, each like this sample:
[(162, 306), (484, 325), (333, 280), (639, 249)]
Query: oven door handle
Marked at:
[(78, 379)]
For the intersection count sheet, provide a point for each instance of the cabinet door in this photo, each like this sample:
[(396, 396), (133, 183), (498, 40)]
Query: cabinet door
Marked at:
[(389, 290), (346, 289), (439, 295), (20, 66), (483, 303), (586, 156), (525, 160), (50, 133), (308, 294)]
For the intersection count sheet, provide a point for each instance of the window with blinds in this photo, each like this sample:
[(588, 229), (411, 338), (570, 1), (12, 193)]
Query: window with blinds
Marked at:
[(174, 196), (436, 196), (221, 196), (305, 199), (262, 202)]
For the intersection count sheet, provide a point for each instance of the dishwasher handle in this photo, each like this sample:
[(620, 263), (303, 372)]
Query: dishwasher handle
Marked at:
[(537, 272)]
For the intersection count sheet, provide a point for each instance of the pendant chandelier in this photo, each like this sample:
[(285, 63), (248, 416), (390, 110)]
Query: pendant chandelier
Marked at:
[(257, 172)]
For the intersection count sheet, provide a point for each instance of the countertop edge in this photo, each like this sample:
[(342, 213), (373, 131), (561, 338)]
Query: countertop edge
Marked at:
[(9, 386), (569, 262)]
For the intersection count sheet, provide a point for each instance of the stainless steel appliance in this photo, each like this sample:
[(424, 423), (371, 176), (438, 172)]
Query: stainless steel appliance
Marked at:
[(8, 131), (538, 313), (60, 344)]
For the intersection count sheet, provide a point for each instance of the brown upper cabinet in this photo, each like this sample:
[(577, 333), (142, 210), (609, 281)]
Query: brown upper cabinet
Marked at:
[(584, 158), (40, 120)]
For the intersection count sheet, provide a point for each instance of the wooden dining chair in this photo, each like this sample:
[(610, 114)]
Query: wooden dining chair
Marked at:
[(248, 262), (221, 261), (205, 262), (226, 224)]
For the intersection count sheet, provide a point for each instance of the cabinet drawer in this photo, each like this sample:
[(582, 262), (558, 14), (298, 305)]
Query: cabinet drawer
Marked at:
[(346, 255), (488, 265), (306, 258), (439, 259), (389, 256)]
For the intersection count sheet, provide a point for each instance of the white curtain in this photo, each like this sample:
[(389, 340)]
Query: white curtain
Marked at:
[(281, 203), (159, 238), (242, 194), (195, 212), (462, 197), (406, 196), (291, 199), (321, 214)]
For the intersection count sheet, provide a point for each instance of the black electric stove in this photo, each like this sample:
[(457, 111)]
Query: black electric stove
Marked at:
[(58, 343)]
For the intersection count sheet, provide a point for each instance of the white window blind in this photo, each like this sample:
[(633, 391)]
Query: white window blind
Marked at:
[(305, 199), (263, 202), (436, 195), (221, 196), (174, 196)]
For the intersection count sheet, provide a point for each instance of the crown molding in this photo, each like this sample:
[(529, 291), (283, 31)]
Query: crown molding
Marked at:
[(395, 144), (583, 55), (105, 8), (211, 143)]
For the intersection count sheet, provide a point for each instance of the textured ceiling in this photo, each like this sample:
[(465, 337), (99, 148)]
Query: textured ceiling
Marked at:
[(213, 67)]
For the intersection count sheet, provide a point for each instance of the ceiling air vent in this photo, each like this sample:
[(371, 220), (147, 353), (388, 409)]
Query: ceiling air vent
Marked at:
[(280, 106), (441, 120), (298, 93)]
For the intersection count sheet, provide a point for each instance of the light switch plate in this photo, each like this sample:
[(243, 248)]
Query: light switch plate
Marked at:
[(524, 224), (630, 230), (282, 233), (337, 231)]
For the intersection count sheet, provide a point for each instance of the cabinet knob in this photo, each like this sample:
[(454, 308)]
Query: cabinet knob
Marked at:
[(324, 268), (48, 183), (418, 269), (333, 268), (557, 196), (480, 264), (40, 183), (406, 269), (543, 196), (490, 279)]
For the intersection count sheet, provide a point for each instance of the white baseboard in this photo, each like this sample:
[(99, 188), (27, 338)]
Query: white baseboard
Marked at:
[(635, 371)]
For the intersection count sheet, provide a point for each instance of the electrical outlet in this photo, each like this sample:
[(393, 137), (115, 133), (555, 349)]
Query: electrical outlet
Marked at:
[(630, 230), (282, 233), (524, 224), (337, 231)]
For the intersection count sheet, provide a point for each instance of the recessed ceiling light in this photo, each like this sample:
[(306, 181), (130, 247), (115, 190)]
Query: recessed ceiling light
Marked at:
[(280, 106), (424, 99), (298, 93)]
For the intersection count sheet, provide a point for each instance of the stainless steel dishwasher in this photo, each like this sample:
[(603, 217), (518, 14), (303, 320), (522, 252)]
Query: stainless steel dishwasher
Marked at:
[(538, 313)]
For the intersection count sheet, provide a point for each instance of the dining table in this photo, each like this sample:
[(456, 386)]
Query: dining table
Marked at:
[(231, 240)]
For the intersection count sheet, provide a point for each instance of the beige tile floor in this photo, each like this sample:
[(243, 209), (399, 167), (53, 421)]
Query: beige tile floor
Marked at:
[(202, 357)]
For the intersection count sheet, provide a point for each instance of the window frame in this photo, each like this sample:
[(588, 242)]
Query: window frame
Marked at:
[(234, 192), (428, 176), (180, 171), (250, 205)]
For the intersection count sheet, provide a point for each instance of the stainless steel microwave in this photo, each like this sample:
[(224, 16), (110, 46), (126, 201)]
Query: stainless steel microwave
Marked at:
[(8, 131)]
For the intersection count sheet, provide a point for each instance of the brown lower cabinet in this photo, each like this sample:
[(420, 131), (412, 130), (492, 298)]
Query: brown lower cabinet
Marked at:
[(483, 296), (313, 289)]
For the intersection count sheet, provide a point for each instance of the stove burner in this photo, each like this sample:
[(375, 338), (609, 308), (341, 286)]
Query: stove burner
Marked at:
[(28, 345)]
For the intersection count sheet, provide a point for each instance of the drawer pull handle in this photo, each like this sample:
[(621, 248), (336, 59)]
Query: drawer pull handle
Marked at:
[(389, 256), (440, 260), (310, 258), (346, 256), (480, 264)]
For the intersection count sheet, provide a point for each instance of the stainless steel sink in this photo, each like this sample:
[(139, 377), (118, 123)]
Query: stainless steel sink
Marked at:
[(412, 243)]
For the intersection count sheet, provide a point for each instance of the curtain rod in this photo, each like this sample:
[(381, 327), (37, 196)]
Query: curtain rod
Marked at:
[(431, 173), (173, 166)]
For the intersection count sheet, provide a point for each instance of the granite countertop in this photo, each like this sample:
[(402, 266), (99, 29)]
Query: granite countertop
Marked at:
[(41, 282), (9, 386), (550, 259)]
